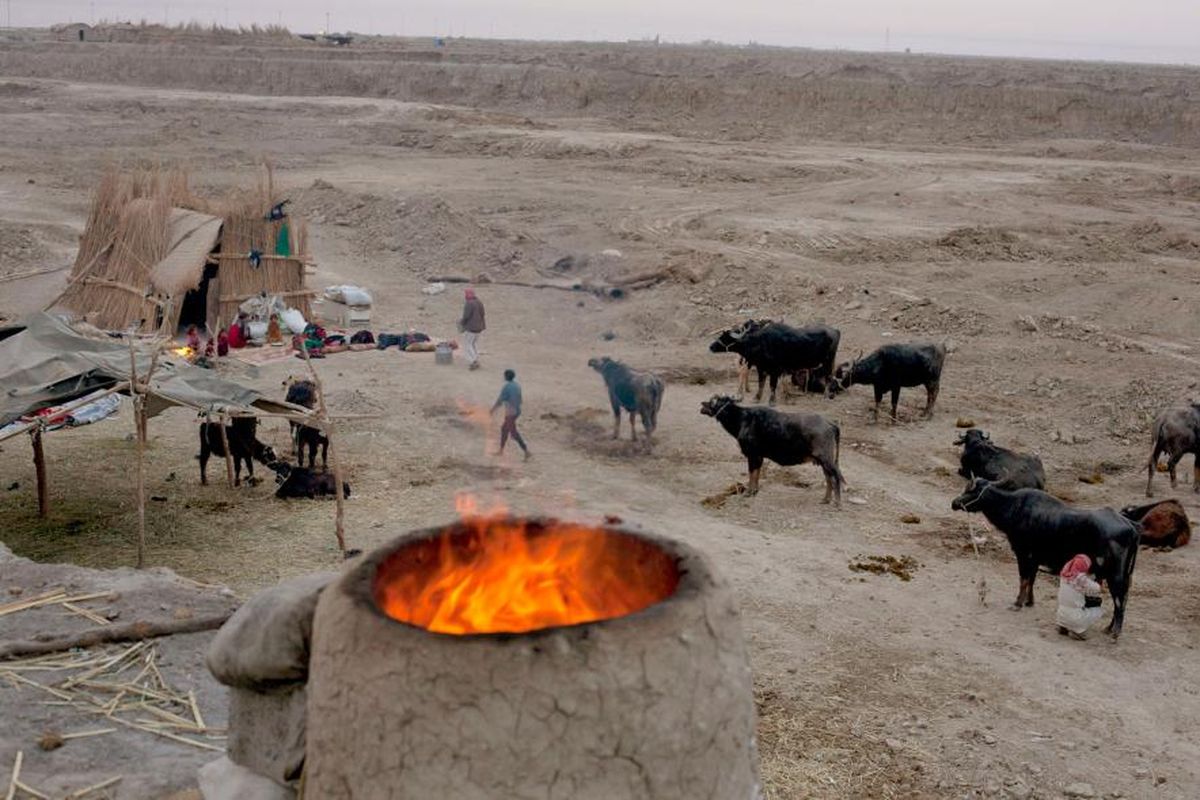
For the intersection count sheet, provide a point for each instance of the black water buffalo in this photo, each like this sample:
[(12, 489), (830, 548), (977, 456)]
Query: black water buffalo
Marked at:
[(1044, 531), (633, 390), (244, 446), (786, 439), (304, 393), (1010, 470), (1176, 432), (776, 349), (301, 482), (893, 367)]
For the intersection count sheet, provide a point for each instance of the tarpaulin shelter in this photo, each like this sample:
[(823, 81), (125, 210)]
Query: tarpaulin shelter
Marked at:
[(52, 364)]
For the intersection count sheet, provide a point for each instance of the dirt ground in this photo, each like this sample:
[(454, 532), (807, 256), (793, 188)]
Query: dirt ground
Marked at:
[(1046, 232)]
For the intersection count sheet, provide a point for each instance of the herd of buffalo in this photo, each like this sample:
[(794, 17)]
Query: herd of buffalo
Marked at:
[(1007, 487)]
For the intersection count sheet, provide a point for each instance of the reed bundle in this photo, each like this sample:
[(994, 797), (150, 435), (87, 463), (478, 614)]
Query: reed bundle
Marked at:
[(128, 233)]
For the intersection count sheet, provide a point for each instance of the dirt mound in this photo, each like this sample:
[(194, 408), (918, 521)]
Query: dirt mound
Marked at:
[(985, 244), (431, 236)]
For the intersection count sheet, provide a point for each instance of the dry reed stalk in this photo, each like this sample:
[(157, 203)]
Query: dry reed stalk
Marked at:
[(66, 737), (29, 790), (168, 735), (16, 774), (170, 708), (85, 613), (195, 708), (33, 602), (95, 787)]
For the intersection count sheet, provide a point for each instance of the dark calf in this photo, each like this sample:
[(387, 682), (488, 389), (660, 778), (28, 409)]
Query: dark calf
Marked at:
[(1044, 531), (244, 446), (893, 367), (300, 482), (786, 439), (312, 438), (304, 393)]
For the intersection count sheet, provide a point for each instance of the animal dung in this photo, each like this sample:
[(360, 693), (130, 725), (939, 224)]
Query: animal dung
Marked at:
[(718, 500), (900, 566), (1094, 479), (505, 657), (910, 519), (964, 422), (51, 740)]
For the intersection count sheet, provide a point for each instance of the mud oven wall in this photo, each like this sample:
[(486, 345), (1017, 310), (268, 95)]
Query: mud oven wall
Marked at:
[(657, 704)]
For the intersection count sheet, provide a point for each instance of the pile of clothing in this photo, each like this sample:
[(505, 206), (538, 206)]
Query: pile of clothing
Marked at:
[(404, 341)]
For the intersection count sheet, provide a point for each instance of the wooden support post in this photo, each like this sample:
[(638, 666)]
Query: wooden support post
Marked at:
[(135, 392), (228, 453), (39, 467), (139, 421), (339, 524)]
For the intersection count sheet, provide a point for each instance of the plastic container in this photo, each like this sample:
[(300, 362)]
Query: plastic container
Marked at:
[(443, 354)]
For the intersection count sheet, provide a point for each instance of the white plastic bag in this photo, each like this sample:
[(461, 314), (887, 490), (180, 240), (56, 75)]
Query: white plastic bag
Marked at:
[(294, 320), (349, 295), (434, 288)]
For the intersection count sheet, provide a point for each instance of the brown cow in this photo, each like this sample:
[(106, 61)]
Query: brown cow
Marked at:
[(1163, 524)]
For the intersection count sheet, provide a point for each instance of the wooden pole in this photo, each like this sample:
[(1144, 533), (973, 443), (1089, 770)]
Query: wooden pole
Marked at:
[(138, 389), (39, 467), (228, 453), (128, 632), (135, 390), (339, 524), (139, 417)]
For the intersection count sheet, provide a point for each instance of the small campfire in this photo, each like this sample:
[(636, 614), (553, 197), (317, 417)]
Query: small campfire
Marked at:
[(184, 352), (502, 656)]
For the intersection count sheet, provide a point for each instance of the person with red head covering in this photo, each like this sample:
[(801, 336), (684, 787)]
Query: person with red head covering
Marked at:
[(1078, 598), (471, 325)]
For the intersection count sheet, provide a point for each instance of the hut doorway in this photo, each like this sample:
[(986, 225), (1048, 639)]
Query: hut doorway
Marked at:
[(196, 303)]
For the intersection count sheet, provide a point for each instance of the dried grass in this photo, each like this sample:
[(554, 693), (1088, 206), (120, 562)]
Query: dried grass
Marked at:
[(122, 684)]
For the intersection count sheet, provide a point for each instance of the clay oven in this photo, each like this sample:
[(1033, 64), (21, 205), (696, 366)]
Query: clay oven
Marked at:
[(500, 657)]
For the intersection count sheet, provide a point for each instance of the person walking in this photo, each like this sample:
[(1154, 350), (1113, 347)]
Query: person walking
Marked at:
[(1078, 598), (510, 399), (471, 325)]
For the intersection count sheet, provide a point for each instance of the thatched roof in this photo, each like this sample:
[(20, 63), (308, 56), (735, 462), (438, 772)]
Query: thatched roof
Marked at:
[(148, 240), (192, 237)]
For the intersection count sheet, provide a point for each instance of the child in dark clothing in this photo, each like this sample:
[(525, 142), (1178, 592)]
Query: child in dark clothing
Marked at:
[(510, 398)]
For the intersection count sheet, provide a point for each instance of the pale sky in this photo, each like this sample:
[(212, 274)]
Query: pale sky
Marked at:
[(1119, 30)]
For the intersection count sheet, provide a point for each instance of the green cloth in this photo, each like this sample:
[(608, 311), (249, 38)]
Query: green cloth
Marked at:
[(283, 242)]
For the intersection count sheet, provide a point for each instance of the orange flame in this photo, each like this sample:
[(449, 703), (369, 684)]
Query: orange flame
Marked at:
[(498, 574), (183, 352), (481, 418)]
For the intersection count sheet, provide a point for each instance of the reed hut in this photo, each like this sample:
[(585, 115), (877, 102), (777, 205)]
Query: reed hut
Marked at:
[(156, 257)]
